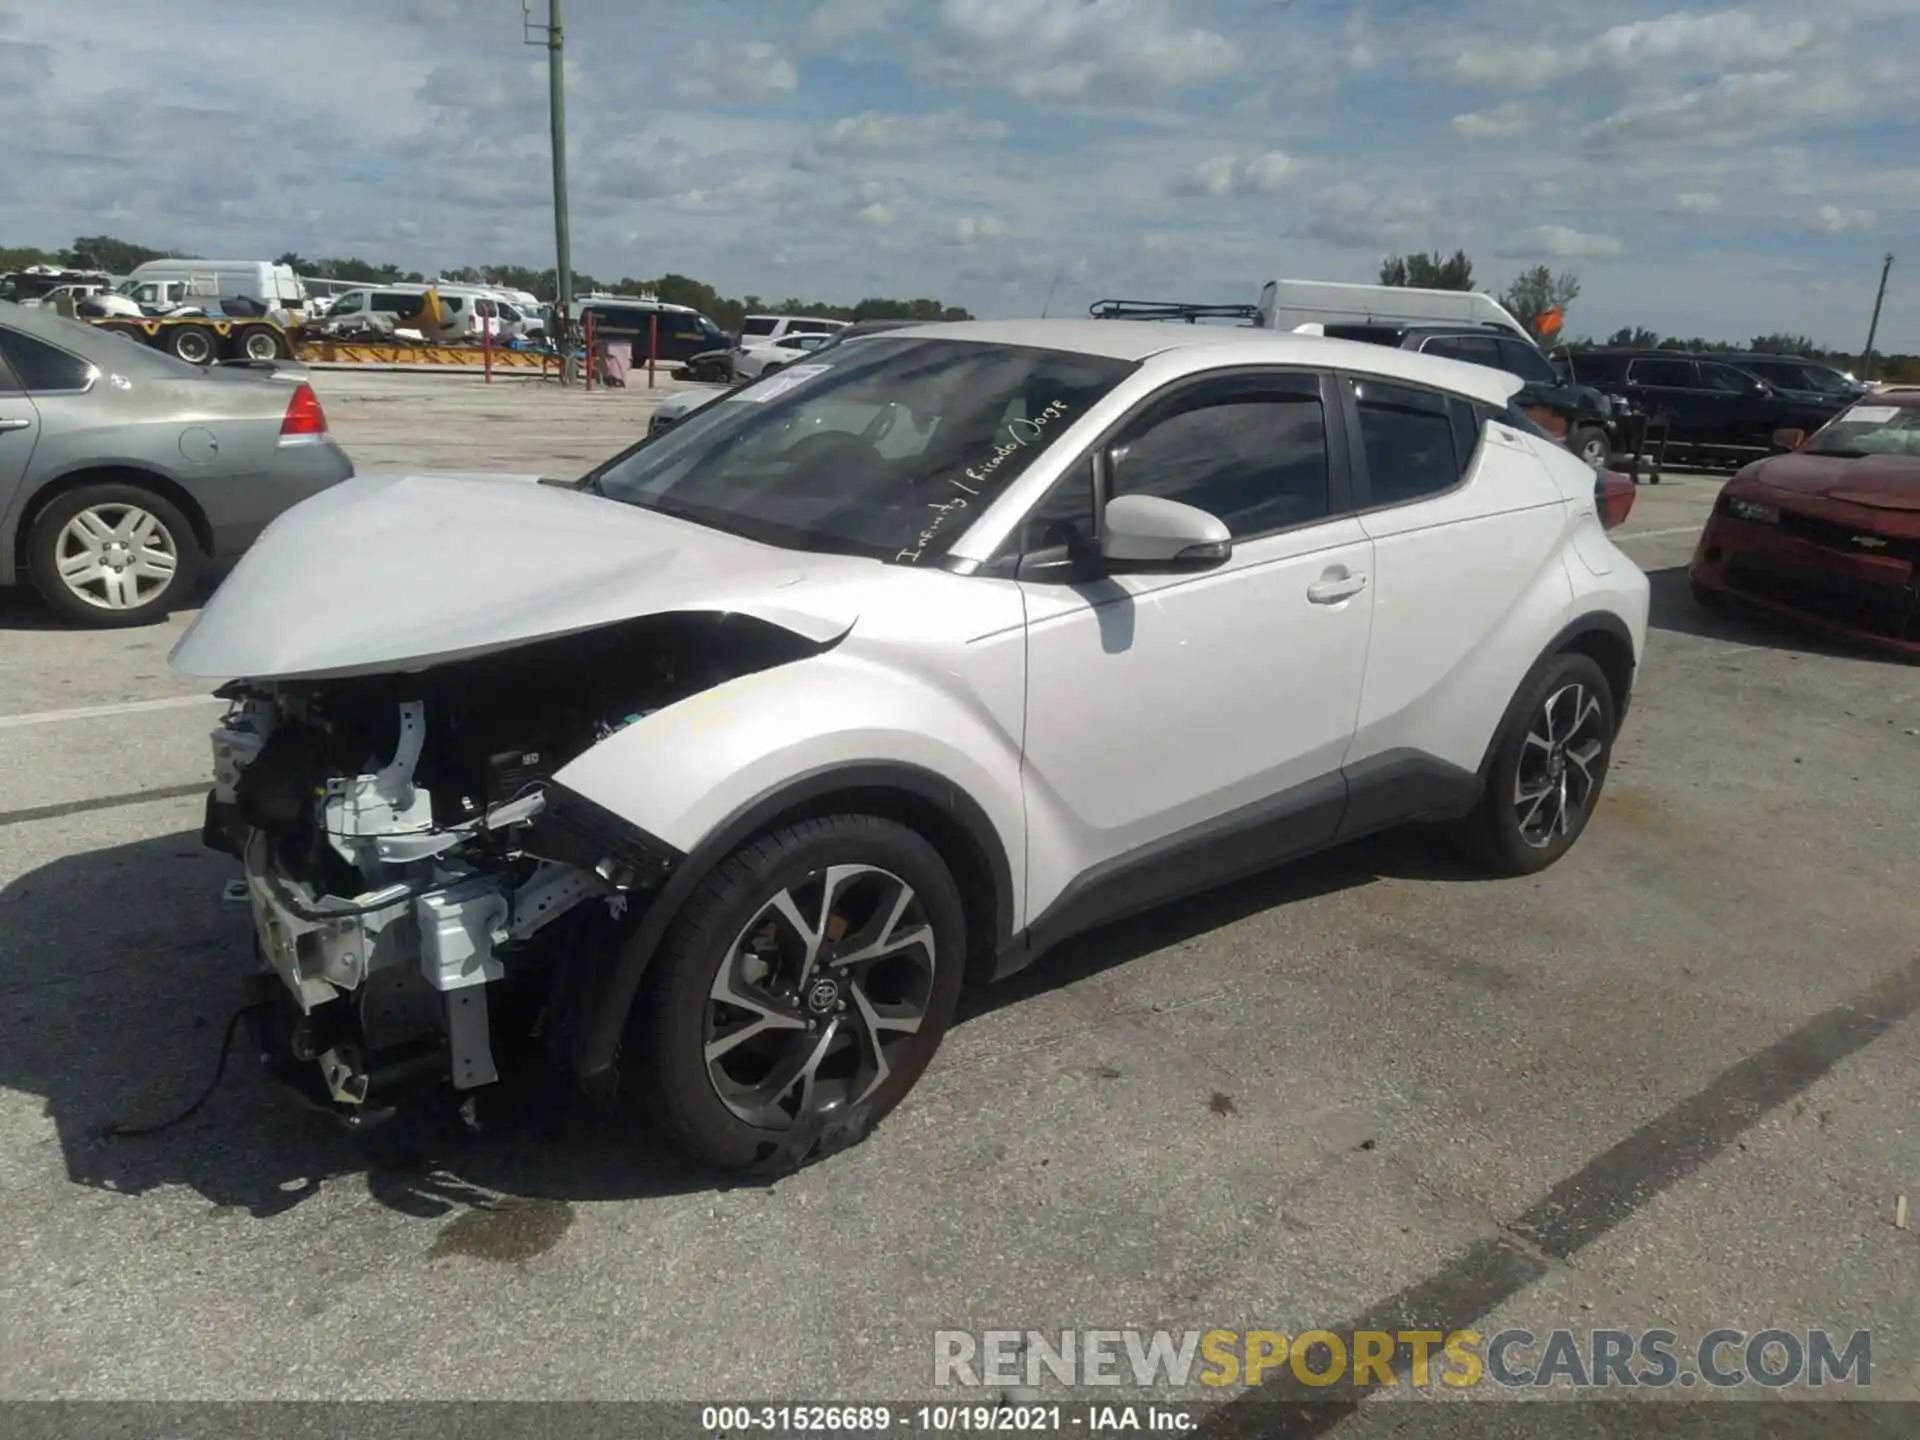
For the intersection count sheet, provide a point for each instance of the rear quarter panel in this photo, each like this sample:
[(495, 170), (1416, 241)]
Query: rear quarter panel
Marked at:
[(1470, 586)]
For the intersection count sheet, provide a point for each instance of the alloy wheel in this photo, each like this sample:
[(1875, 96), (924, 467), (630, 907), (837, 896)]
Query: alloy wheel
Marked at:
[(116, 556), (814, 998), (1594, 452), (1559, 770)]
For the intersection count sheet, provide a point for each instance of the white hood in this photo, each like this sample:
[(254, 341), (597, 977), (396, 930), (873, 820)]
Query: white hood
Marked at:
[(396, 572)]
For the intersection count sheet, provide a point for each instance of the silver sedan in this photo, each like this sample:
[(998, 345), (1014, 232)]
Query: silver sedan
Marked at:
[(123, 470)]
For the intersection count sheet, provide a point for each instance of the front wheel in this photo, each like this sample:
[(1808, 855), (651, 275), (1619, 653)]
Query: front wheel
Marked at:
[(1548, 767), (112, 555), (802, 991)]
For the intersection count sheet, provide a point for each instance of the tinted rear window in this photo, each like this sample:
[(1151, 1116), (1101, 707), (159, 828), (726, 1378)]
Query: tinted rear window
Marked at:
[(757, 325)]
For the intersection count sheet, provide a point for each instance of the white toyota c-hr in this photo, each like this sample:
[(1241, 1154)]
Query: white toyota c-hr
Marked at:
[(719, 770)]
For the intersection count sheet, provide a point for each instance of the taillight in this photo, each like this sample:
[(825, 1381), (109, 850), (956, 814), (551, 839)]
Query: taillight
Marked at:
[(304, 415), (1613, 498)]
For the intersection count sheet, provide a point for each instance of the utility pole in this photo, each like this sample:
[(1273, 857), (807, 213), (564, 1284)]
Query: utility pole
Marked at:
[(552, 36), (1873, 326)]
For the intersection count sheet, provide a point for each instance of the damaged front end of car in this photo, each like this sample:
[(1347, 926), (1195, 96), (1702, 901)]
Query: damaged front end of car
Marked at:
[(426, 898)]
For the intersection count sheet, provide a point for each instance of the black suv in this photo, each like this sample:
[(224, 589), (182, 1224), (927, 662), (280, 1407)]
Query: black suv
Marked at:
[(1798, 378), (1584, 418), (1715, 412)]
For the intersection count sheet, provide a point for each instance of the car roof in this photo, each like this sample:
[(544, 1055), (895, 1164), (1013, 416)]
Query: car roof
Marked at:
[(82, 339), (1905, 396), (1139, 340)]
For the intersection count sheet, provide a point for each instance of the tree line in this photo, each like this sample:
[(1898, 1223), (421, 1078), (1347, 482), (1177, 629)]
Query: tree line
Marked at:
[(118, 257), (1539, 291)]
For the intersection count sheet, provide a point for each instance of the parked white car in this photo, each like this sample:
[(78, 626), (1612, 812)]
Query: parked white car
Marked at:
[(729, 761), (761, 357)]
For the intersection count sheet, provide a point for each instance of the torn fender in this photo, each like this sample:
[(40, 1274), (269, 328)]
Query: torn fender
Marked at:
[(400, 571)]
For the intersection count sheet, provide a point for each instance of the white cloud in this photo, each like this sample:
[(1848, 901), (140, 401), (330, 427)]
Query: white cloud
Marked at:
[(970, 229), (1075, 49), (833, 20), (1559, 242), (1225, 175), (877, 132), (1835, 220), (1723, 43), (1501, 121), (876, 214), (749, 70), (1697, 202), (1352, 217)]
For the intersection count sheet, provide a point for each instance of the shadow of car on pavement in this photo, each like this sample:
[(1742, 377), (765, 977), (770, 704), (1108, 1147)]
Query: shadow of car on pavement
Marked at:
[(122, 967)]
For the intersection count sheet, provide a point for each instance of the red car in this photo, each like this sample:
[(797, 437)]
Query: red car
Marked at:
[(1829, 532)]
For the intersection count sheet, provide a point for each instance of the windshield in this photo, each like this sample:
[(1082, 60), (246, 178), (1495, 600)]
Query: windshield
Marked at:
[(885, 449), (1870, 429)]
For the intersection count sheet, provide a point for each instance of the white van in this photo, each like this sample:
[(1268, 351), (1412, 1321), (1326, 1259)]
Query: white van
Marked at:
[(164, 283), (1305, 305)]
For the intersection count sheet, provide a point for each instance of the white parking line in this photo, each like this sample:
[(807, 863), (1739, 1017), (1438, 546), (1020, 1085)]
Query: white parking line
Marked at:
[(96, 712), (1656, 534)]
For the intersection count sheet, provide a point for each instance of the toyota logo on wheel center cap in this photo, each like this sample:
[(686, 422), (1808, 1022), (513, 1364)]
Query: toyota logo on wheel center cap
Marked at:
[(822, 996)]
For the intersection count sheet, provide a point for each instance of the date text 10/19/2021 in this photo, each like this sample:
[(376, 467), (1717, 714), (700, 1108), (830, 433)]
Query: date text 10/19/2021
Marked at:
[(946, 1419)]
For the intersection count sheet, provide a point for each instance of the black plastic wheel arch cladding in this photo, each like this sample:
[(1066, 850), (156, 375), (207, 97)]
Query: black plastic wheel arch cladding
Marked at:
[(903, 791)]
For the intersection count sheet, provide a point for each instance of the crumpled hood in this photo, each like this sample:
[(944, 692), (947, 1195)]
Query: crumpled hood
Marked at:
[(398, 571), (1882, 482)]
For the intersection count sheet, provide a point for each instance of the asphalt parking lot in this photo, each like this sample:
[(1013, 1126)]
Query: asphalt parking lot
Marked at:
[(1670, 1082)]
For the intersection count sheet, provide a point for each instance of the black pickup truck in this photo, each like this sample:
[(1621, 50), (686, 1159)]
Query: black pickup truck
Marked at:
[(1712, 412)]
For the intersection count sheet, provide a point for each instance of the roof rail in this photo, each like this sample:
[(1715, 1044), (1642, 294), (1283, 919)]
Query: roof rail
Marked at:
[(1170, 310)]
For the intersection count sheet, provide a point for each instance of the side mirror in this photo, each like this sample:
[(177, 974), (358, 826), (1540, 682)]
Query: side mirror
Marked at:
[(1145, 533), (1789, 439)]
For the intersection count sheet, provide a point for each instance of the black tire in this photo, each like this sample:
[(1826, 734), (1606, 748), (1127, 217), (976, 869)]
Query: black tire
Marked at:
[(262, 342), (678, 1014), (194, 344), (1507, 834), (48, 544), (1587, 439)]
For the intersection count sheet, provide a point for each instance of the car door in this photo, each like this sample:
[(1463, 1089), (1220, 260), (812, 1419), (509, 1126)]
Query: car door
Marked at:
[(1670, 387), (1183, 727), (1464, 521), (1754, 410), (19, 433)]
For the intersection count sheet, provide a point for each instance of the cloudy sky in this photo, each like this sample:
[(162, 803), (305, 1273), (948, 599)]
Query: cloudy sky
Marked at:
[(1705, 170)]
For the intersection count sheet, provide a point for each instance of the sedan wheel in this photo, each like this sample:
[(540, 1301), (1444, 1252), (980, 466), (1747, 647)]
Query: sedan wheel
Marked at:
[(1593, 447), (804, 986), (111, 555)]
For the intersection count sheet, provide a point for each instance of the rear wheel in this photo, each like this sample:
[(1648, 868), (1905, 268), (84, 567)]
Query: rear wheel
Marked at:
[(802, 991), (1592, 446), (257, 342), (112, 555), (1548, 768), (192, 344)]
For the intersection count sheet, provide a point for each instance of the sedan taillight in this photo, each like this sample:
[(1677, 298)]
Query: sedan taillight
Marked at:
[(304, 415), (1613, 498)]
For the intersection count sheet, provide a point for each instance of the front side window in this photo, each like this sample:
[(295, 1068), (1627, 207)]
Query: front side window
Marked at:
[(1408, 440), (1255, 458), (888, 449), (42, 368), (1726, 380), (1664, 374), (1520, 358), (1474, 349), (757, 325)]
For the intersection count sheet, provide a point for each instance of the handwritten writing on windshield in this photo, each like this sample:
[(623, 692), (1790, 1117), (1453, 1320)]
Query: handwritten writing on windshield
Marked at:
[(1021, 434)]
